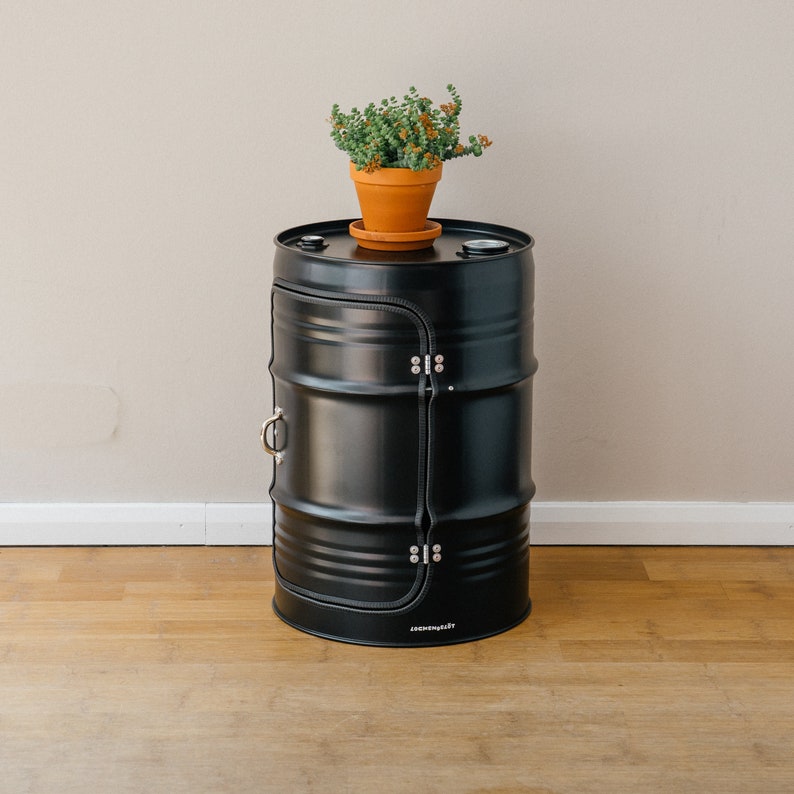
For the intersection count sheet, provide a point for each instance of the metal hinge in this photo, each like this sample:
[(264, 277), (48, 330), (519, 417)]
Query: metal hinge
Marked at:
[(432, 363), (436, 549)]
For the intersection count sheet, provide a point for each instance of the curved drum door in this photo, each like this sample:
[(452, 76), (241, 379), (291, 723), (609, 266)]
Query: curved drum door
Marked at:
[(351, 438)]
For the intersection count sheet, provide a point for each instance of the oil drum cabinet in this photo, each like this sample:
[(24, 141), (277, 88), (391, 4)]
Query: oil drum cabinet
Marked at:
[(401, 434)]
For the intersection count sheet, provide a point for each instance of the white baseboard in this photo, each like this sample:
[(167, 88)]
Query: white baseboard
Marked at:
[(662, 523), (250, 524), (134, 524)]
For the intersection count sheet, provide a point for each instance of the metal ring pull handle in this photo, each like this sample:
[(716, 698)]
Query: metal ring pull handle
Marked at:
[(278, 413)]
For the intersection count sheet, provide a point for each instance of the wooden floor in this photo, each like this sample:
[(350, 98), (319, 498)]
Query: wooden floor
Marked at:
[(164, 670)]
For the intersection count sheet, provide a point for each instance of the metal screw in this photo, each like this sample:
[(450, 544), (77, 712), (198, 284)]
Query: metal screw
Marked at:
[(414, 549), (414, 558), (416, 369), (437, 547), (416, 360), (436, 558), (439, 368), (439, 359)]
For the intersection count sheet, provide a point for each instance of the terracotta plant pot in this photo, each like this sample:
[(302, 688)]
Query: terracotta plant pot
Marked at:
[(395, 199)]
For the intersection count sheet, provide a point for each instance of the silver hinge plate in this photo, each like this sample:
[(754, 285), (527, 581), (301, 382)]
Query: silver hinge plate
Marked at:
[(431, 364), (425, 554)]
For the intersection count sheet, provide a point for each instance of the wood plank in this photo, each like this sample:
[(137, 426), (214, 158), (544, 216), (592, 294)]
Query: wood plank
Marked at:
[(165, 670)]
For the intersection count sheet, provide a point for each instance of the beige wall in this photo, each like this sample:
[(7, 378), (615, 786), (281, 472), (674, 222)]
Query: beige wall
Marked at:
[(150, 150)]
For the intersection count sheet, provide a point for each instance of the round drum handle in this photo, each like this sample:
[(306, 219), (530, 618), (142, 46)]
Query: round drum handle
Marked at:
[(278, 413)]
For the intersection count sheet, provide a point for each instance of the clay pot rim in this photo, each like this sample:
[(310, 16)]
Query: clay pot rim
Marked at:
[(397, 176)]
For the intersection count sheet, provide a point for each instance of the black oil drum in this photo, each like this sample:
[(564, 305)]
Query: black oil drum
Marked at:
[(401, 434)]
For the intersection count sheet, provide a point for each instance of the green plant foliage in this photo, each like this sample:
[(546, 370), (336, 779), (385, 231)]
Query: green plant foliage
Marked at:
[(408, 134)]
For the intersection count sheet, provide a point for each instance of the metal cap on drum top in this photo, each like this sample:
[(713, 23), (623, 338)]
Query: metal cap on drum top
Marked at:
[(485, 247), (313, 242)]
